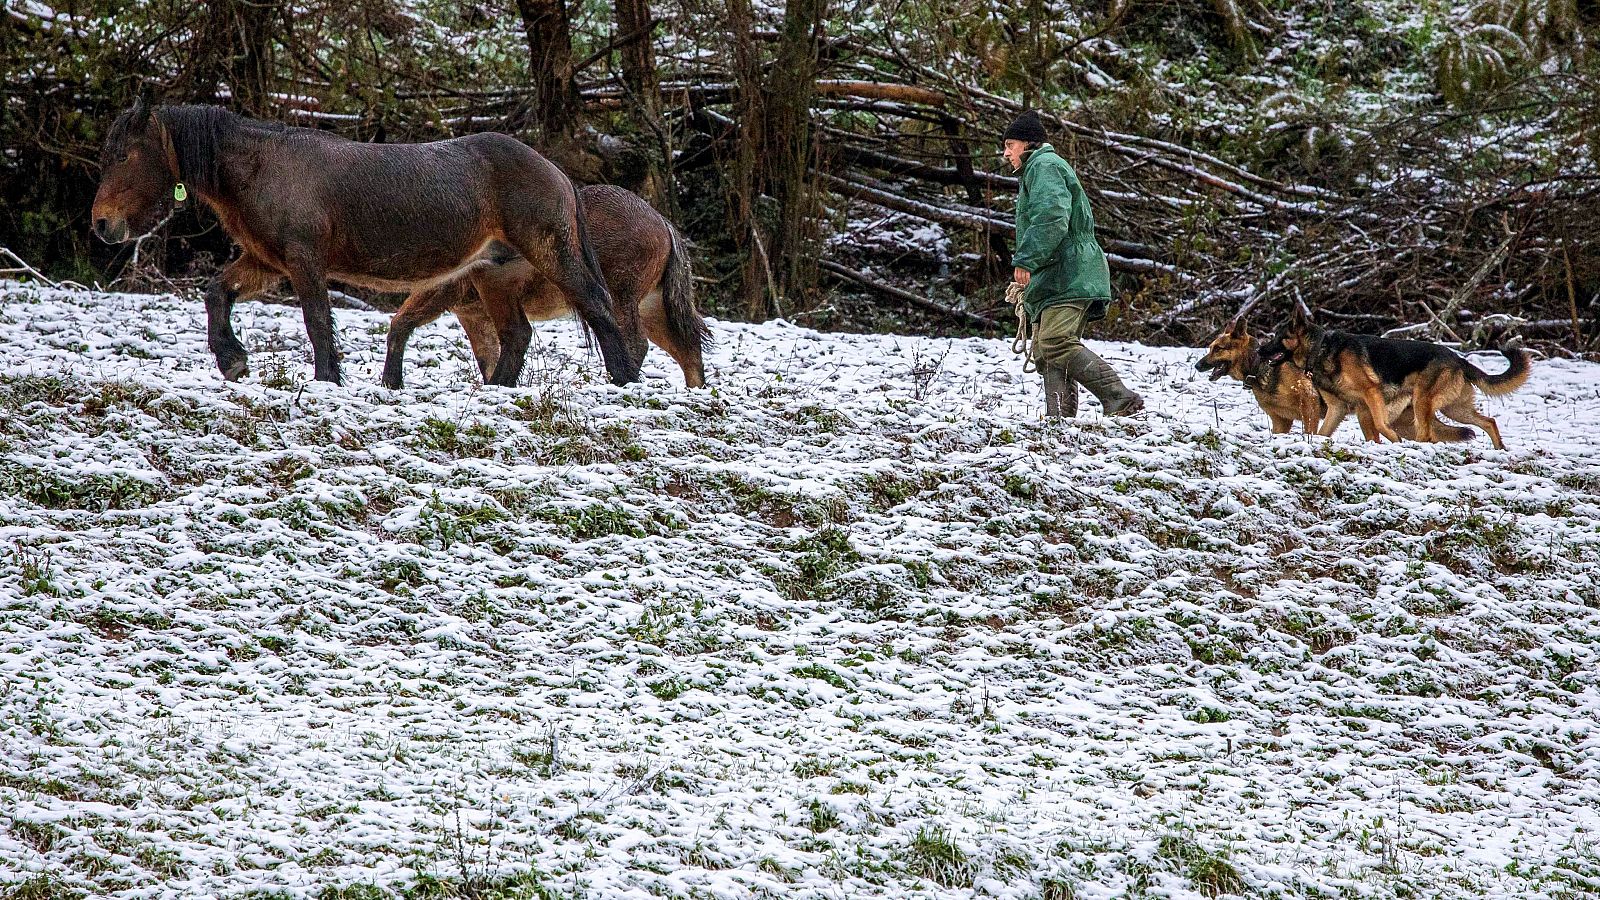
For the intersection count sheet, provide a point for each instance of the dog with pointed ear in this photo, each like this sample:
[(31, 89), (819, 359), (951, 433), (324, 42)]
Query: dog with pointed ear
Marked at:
[(1282, 391), (1231, 352)]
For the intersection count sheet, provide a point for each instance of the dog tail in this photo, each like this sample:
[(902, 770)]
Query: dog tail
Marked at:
[(1515, 376), (1443, 432)]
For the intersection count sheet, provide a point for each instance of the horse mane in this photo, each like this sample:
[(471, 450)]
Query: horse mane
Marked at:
[(197, 134)]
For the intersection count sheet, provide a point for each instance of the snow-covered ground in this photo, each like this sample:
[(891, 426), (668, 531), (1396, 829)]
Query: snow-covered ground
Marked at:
[(853, 623)]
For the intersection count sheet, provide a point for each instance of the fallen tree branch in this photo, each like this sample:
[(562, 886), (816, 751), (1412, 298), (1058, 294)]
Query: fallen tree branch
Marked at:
[(22, 268), (976, 220), (895, 165), (877, 90), (851, 275)]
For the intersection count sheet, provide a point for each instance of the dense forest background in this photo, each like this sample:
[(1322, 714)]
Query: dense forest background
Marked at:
[(1388, 162)]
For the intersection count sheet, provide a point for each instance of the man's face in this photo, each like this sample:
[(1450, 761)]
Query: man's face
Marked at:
[(1013, 153)]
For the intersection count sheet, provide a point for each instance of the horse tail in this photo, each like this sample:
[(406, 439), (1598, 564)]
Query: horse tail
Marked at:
[(684, 322), (587, 248)]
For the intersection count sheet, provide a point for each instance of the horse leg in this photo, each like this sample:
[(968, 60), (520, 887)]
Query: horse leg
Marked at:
[(419, 309), (503, 310), (311, 286), (653, 317), (481, 336), (626, 309), (243, 277), (586, 293)]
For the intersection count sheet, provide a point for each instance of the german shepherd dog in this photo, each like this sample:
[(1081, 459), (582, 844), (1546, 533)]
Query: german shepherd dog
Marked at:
[(1283, 391), (1378, 376)]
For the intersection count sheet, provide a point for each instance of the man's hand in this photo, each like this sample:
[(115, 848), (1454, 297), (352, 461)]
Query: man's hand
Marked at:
[(1021, 276)]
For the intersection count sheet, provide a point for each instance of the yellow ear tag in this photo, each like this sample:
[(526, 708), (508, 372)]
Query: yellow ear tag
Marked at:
[(179, 192)]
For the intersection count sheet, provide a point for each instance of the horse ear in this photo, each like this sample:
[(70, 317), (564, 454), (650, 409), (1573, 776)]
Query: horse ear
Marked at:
[(139, 115)]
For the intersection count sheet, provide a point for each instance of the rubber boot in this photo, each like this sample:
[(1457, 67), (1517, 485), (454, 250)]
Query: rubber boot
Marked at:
[(1060, 392), (1089, 370)]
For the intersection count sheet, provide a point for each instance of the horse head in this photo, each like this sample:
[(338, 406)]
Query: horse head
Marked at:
[(137, 177)]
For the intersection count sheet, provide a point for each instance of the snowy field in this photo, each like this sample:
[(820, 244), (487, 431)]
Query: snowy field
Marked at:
[(853, 623)]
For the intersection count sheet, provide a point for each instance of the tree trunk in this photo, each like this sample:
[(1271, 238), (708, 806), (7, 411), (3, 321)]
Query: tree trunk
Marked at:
[(635, 29), (791, 86), (744, 173), (233, 46), (555, 95), (996, 254)]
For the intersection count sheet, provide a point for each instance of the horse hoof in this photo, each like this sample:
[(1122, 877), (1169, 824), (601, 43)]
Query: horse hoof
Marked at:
[(235, 370)]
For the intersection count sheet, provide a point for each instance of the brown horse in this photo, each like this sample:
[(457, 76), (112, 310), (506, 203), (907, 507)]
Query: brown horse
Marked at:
[(309, 206), (646, 266)]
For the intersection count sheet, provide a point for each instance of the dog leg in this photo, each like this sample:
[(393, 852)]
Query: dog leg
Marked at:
[(1466, 412), (1364, 416), (1379, 413), (1422, 412), (1337, 410)]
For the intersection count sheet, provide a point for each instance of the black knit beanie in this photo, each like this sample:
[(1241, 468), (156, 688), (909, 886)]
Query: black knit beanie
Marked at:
[(1027, 128)]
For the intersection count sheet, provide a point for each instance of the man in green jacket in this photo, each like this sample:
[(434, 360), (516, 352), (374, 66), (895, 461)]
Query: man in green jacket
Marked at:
[(1063, 271)]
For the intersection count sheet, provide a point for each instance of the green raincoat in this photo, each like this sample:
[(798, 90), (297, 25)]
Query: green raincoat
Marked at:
[(1055, 239)]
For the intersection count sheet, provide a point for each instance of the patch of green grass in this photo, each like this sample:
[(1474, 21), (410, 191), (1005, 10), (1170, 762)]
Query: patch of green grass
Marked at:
[(1056, 888), (771, 866), (19, 391), (525, 886), (602, 520), (933, 854), (821, 673), (820, 816), (1376, 713), (91, 492), (280, 372), (823, 557), (669, 688), (1208, 715), (445, 436), (391, 573), (1211, 873), (657, 623), (353, 892), (814, 768), (39, 887), (548, 413), (1020, 487), (445, 524), (109, 621), (33, 565), (41, 836), (165, 863), (1012, 863)]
